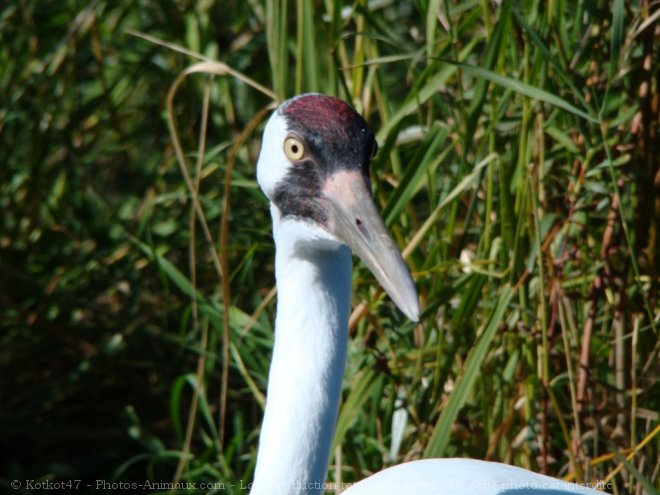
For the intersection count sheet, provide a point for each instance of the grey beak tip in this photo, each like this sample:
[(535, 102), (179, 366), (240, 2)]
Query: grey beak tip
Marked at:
[(405, 298), (413, 313)]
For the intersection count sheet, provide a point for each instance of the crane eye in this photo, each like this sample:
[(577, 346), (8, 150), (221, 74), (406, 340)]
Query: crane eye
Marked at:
[(294, 149)]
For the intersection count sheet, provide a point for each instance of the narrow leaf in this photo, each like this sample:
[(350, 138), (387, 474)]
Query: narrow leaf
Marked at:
[(360, 388), (431, 23), (617, 36), (525, 90), (630, 467), (415, 173), (440, 437)]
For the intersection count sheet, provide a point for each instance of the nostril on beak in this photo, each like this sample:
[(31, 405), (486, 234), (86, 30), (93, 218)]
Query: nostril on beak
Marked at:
[(361, 228)]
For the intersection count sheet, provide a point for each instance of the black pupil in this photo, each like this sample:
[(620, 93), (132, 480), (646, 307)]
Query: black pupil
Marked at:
[(294, 149)]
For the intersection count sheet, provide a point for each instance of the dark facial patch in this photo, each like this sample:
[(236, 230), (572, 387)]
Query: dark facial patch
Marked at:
[(299, 194), (336, 138)]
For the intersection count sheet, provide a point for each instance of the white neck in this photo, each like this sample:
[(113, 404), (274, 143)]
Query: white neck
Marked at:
[(309, 356)]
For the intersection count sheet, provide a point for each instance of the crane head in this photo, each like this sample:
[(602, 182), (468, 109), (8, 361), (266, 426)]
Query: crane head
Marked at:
[(314, 168)]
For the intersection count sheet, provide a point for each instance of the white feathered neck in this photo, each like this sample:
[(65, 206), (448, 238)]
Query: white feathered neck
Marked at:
[(313, 274)]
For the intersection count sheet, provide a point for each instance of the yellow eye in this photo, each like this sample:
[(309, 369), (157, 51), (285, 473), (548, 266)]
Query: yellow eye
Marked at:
[(294, 149)]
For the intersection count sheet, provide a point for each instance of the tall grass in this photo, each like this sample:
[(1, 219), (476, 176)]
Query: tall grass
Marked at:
[(518, 154)]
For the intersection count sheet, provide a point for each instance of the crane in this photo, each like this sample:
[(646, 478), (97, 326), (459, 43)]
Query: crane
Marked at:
[(314, 169)]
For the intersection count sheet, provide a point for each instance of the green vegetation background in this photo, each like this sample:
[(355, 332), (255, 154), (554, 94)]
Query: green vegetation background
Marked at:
[(518, 165)]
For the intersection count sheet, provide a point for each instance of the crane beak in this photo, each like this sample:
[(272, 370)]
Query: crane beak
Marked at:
[(353, 218)]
